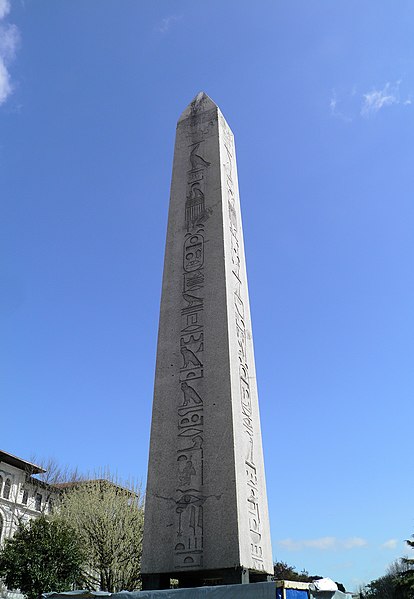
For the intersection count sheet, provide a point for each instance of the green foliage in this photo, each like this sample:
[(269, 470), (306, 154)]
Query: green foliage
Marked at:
[(397, 583), (384, 587), (42, 556), (108, 520), (405, 583), (282, 571)]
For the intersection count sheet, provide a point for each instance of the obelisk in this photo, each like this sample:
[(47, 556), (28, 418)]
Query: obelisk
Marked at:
[(206, 515)]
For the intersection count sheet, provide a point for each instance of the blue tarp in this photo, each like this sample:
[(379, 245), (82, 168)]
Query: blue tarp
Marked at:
[(302, 594)]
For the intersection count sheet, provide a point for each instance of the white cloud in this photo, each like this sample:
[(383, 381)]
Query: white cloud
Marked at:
[(335, 111), (166, 23), (4, 8), (349, 104), (322, 544), (391, 544), (9, 40), (354, 542), (377, 99), (5, 85), (333, 102)]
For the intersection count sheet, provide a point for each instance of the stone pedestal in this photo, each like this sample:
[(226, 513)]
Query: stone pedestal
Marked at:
[(206, 515)]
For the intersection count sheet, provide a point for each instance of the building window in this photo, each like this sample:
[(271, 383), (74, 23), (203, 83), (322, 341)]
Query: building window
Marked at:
[(7, 488), (38, 502), (1, 526), (50, 506), (1, 483), (25, 496)]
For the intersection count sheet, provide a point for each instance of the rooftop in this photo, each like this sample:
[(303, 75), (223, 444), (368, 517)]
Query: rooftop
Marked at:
[(13, 460)]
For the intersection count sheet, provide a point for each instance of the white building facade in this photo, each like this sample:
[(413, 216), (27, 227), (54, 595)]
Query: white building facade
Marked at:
[(22, 497)]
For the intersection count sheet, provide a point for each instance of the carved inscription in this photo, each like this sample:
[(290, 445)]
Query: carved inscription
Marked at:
[(252, 506), (201, 123), (188, 548)]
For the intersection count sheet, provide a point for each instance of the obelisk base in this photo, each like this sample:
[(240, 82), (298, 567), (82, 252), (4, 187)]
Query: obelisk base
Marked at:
[(200, 578)]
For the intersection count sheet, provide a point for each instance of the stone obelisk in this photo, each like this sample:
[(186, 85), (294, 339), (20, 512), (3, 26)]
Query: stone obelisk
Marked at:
[(206, 515)]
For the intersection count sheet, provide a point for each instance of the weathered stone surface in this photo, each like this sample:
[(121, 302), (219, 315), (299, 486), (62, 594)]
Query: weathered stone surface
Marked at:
[(206, 506)]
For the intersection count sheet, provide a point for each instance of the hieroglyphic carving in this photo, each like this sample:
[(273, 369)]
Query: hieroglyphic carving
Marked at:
[(194, 205), (251, 480), (201, 124), (196, 160), (193, 251), (188, 548)]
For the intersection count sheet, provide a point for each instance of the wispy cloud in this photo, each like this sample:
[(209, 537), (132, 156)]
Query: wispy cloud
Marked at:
[(354, 542), (391, 544), (335, 110), (352, 104), (4, 8), (167, 23), (322, 544), (377, 99), (9, 40)]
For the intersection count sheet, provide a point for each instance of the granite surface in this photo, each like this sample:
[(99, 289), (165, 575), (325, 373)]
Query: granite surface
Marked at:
[(206, 505)]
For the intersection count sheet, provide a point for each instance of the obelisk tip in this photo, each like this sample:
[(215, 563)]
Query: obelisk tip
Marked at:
[(201, 103)]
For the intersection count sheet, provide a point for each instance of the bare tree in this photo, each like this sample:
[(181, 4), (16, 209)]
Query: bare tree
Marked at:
[(54, 473), (49, 482), (397, 567)]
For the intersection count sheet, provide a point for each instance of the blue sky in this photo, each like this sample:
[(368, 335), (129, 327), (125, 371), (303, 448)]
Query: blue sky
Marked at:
[(320, 96)]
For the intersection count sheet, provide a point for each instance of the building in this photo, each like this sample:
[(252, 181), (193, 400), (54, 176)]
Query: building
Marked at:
[(22, 496)]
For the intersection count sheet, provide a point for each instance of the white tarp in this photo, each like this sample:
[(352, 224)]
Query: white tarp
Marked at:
[(323, 584), (258, 590)]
